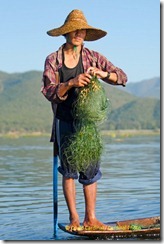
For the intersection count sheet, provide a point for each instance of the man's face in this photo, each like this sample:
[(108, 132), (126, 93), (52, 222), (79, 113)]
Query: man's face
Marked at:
[(76, 37)]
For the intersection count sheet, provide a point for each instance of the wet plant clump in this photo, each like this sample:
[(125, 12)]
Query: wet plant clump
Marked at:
[(90, 110)]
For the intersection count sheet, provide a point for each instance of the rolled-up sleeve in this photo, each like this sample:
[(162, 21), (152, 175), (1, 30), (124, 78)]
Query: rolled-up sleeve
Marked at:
[(121, 76), (106, 65), (51, 81)]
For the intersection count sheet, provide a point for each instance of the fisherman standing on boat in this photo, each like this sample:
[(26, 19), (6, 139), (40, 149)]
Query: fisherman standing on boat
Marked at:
[(66, 70)]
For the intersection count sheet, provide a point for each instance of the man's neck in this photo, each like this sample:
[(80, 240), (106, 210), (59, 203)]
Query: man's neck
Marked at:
[(70, 48)]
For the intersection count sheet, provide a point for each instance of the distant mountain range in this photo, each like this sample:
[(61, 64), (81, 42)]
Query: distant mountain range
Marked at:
[(24, 108), (145, 88)]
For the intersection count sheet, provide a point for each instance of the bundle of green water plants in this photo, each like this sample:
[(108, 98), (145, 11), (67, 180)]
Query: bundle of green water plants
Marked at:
[(85, 146), (92, 103)]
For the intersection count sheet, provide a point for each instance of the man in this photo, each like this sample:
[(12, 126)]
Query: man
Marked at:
[(67, 70)]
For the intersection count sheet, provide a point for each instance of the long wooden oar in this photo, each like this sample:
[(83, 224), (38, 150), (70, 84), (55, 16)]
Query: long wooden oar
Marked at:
[(55, 190)]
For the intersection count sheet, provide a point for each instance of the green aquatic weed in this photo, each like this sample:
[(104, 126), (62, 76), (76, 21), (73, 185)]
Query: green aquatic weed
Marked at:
[(135, 227), (84, 147), (92, 103)]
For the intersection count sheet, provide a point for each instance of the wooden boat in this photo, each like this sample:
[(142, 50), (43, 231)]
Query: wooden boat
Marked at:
[(135, 228)]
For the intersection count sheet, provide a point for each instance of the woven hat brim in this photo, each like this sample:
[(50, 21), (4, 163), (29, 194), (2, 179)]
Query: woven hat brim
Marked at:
[(91, 35)]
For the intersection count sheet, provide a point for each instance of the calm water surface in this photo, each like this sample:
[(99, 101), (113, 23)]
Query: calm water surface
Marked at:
[(129, 188)]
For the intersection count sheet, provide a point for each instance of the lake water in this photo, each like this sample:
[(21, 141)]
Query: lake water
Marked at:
[(129, 187)]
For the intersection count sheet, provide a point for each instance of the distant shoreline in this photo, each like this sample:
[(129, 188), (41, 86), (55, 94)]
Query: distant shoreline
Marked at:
[(110, 133), (126, 133)]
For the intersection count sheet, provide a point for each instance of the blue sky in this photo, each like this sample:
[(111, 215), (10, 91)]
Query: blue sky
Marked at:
[(132, 42)]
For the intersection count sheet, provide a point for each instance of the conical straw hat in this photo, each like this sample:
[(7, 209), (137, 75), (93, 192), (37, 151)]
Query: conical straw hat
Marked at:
[(76, 21)]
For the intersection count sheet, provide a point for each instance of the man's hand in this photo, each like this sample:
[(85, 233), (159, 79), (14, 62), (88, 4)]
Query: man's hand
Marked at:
[(97, 72), (103, 74), (80, 81)]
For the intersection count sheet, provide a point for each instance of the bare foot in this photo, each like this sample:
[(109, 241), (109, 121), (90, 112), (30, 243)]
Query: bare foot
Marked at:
[(96, 225), (74, 224)]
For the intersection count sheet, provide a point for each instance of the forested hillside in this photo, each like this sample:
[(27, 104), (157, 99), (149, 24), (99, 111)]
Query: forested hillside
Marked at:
[(25, 109), (145, 88)]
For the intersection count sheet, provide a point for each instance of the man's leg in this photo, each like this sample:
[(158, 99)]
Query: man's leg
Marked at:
[(69, 190), (90, 219)]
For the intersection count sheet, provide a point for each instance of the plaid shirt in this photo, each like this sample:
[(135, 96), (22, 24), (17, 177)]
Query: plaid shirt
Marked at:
[(51, 85), (89, 58)]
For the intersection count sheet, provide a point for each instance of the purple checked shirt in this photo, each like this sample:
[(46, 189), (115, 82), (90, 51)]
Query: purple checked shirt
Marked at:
[(54, 62)]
